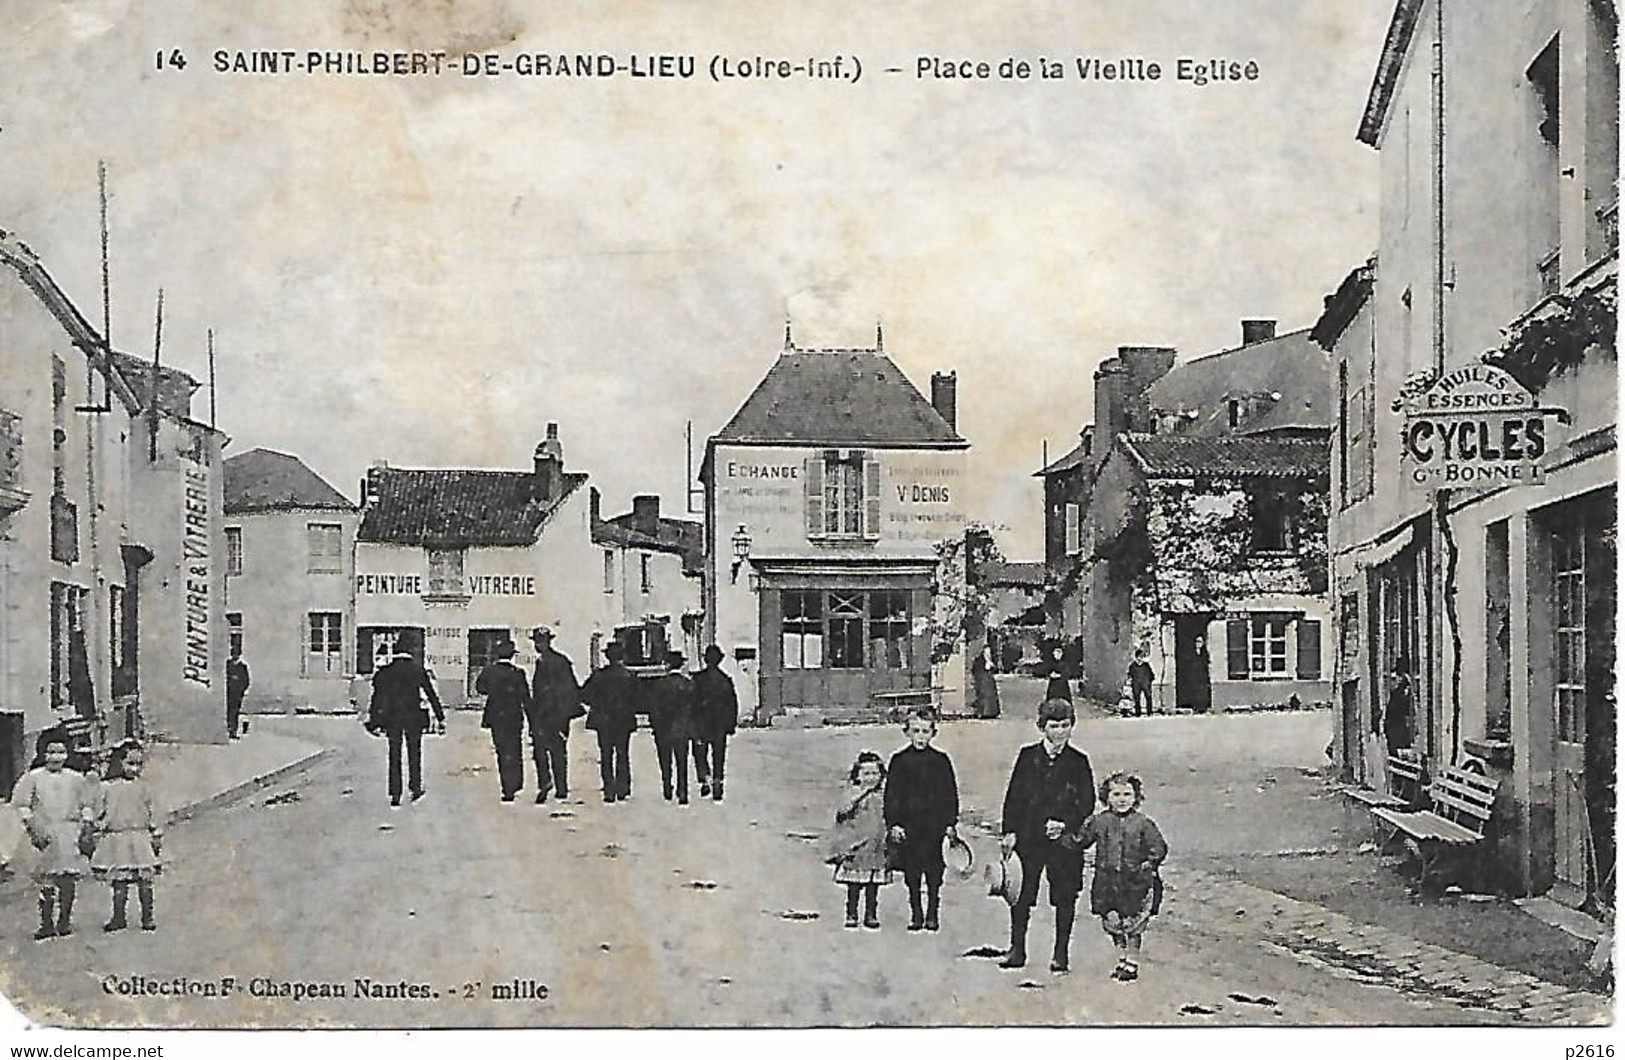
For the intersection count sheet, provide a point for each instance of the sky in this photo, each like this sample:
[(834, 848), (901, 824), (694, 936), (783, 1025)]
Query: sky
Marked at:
[(428, 270)]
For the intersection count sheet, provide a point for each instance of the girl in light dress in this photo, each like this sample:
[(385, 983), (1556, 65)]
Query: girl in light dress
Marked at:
[(863, 865), (54, 803), (129, 835)]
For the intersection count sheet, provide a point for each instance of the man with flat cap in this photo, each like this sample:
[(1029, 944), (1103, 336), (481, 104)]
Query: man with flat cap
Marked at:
[(612, 693), (507, 704), (556, 701)]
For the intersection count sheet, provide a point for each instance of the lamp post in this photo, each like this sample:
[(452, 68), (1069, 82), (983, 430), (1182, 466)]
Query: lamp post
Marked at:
[(741, 542)]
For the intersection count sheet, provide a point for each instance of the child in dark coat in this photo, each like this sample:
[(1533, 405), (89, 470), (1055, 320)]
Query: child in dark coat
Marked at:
[(1129, 849), (922, 807)]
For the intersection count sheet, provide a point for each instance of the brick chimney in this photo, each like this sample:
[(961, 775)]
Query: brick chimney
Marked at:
[(945, 397), (1142, 366), (1257, 331), (1109, 417), (549, 463), (646, 514)]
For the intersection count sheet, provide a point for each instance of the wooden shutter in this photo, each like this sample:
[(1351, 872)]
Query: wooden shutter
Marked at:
[(1072, 541), (871, 497), (363, 650), (1308, 649), (1235, 643), (814, 478)]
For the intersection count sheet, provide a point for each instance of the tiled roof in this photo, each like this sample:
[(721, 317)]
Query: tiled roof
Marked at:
[(838, 397), (1075, 459), (1177, 456), (455, 507), (262, 480), (1290, 365), (175, 387), (680, 537), (1014, 575), (1401, 28), (1344, 304)]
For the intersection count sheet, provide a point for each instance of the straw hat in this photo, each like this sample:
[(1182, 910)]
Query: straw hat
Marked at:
[(959, 857), (1005, 878)]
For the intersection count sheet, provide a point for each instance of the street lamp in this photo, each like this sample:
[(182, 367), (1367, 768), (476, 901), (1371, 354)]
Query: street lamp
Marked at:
[(741, 544)]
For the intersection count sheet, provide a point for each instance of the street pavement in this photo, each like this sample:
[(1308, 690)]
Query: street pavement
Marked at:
[(651, 914)]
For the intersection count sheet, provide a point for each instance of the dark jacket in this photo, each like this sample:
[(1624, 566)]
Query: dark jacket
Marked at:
[(613, 694), (921, 793), (1139, 674), (396, 702), (554, 692), (1128, 843), (507, 696), (671, 706), (236, 677), (716, 706), (1044, 790)]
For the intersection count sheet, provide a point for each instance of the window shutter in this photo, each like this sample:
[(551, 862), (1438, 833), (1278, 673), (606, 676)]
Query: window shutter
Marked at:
[(1072, 542), (363, 650), (1235, 643), (871, 498), (1308, 649), (814, 478)]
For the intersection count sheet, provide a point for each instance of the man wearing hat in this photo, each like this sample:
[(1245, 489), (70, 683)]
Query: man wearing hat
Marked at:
[(556, 701), (671, 716), (612, 694), (716, 717), (397, 711), (507, 704), (1051, 793)]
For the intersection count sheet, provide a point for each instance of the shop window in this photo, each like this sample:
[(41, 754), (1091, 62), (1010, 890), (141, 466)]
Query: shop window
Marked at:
[(376, 645), (325, 543), (802, 628), (1266, 646), (324, 642), (234, 550), (1568, 575), (889, 629), (1308, 649), (234, 633), (446, 572), (846, 631), (643, 645), (843, 495), (482, 652)]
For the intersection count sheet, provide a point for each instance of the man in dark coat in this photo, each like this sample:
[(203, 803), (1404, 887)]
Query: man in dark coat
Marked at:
[(671, 716), (1139, 682), (556, 701), (1051, 793), (236, 688), (612, 694), (716, 717), (507, 705), (397, 711), (921, 808)]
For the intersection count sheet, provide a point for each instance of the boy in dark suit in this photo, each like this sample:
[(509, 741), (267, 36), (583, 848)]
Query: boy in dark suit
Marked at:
[(921, 807), (1051, 794)]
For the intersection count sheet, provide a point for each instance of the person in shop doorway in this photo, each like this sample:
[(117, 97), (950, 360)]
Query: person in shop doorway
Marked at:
[(671, 716), (507, 705), (611, 695), (236, 688), (716, 717), (1397, 712), (397, 712), (983, 684), (555, 703)]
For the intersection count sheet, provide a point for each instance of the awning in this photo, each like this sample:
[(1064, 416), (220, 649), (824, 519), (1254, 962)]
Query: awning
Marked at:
[(844, 572), (1381, 552)]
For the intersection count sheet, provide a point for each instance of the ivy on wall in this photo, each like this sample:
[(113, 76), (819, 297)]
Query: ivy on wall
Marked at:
[(1561, 336)]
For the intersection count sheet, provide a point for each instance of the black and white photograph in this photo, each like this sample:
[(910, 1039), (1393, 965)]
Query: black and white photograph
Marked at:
[(784, 516)]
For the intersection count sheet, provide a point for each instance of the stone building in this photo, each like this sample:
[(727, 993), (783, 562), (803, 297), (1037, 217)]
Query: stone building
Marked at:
[(653, 567), (1496, 270), (290, 582)]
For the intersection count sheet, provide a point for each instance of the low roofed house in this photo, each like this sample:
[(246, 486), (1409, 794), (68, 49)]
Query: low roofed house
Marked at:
[(290, 566), (453, 562), (1192, 522), (653, 569)]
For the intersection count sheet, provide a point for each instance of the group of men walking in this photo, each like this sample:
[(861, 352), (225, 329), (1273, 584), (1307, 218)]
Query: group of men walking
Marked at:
[(689, 715)]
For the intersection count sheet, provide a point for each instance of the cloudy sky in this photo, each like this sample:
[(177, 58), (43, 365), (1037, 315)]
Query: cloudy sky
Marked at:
[(428, 270)]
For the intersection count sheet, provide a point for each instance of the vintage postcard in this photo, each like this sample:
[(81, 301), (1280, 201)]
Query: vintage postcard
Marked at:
[(766, 515)]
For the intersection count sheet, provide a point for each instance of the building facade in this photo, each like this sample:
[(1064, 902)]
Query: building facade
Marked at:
[(1496, 267), (831, 498), (289, 554), (111, 588), (450, 563), (1190, 521), (653, 567)]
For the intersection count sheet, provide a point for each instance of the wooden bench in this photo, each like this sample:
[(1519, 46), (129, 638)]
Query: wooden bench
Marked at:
[(898, 704), (1461, 804), (1406, 779)]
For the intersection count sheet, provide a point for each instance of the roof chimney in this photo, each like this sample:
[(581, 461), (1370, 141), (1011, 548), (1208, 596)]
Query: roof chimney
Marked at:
[(1257, 331), (646, 514), (594, 507), (945, 397), (549, 466)]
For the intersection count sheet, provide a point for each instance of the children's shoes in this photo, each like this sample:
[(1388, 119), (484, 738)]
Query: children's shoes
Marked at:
[(872, 923), (852, 920)]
